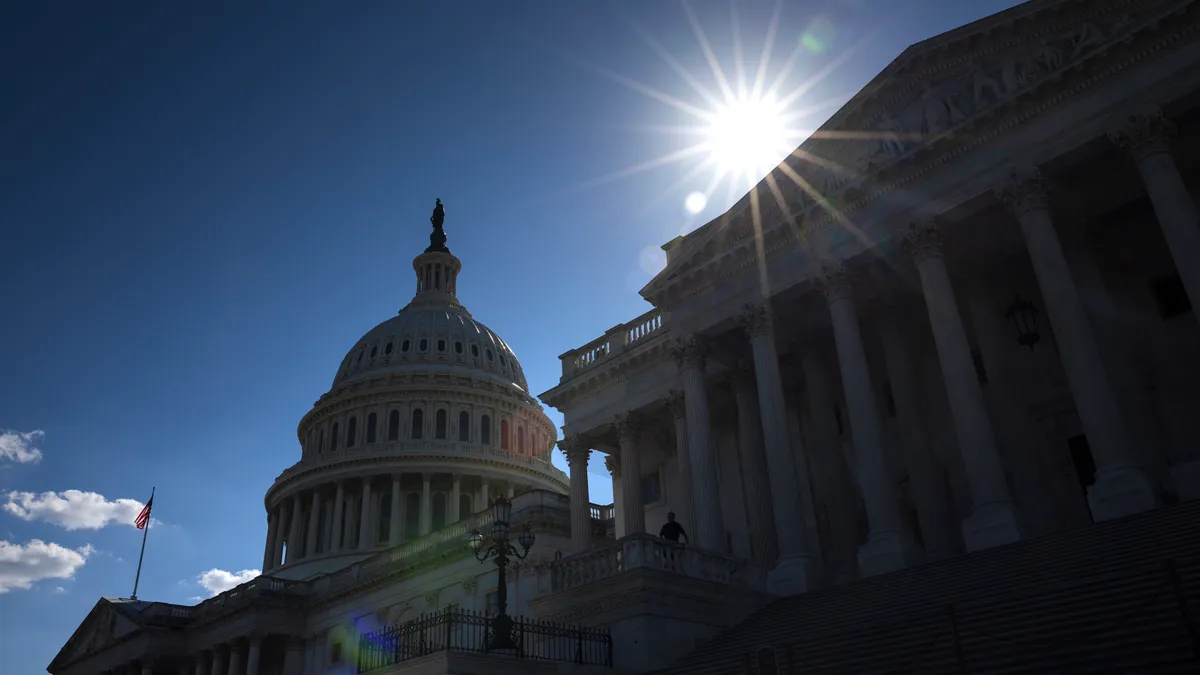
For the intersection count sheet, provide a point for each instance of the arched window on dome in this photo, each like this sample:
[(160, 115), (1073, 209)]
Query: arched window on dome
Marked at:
[(418, 424), (441, 345), (351, 432), (412, 515), (423, 345), (457, 347), (371, 424), (475, 351), (404, 346), (464, 427), (374, 350), (388, 349), (504, 444), (438, 519), (394, 425), (485, 430), (521, 440), (464, 506), (439, 424), (333, 438)]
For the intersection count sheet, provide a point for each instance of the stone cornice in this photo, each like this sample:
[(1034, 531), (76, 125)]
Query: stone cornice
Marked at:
[(625, 367), (945, 146)]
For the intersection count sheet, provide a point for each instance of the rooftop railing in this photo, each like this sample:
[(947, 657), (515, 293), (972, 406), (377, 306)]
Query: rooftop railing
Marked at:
[(617, 340), (638, 551)]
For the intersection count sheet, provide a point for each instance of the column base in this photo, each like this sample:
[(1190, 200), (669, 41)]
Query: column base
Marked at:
[(1121, 491), (884, 552), (990, 525), (790, 575)]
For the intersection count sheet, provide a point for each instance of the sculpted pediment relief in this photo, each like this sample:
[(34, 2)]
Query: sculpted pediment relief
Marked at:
[(933, 91), (97, 631)]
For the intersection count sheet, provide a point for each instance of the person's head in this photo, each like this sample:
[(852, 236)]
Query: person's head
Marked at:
[(671, 517)]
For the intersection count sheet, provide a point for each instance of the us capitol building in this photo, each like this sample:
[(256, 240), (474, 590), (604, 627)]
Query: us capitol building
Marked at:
[(925, 401)]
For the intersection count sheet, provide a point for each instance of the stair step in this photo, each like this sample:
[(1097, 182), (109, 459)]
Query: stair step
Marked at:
[(1092, 600)]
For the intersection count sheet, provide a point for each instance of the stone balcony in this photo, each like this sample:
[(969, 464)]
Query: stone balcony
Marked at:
[(641, 586), (619, 340)]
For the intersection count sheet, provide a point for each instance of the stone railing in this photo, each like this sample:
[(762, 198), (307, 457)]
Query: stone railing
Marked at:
[(431, 447), (617, 340), (639, 551), (245, 594), (602, 511)]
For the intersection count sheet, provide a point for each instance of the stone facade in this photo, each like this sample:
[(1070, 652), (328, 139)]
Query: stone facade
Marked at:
[(972, 327), (969, 326)]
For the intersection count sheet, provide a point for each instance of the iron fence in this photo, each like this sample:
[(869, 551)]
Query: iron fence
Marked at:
[(470, 632)]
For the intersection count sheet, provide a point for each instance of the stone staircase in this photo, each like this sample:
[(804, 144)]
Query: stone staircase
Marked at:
[(1096, 600)]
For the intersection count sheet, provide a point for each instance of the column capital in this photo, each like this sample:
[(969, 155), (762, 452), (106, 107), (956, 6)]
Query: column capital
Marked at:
[(1144, 135), (1023, 191), (757, 319), (690, 352), (924, 240), (613, 464), (837, 283), (627, 427), (675, 402), (576, 449)]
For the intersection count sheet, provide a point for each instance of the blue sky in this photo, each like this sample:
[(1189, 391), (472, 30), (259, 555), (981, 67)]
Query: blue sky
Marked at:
[(204, 205)]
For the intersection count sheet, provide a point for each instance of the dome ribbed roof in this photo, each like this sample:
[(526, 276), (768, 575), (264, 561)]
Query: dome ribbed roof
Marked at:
[(432, 338), (434, 333)]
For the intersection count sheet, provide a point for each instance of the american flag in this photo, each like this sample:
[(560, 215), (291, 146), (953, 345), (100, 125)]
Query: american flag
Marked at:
[(143, 518)]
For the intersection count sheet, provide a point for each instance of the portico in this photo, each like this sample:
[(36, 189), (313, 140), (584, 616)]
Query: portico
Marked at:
[(927, 422)]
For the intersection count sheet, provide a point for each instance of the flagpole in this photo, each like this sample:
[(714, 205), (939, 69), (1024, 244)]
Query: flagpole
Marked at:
[(141, 555)]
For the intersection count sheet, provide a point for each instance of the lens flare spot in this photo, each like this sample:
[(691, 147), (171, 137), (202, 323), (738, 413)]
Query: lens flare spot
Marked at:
[(652, 260), (819, 35), (695, 202)]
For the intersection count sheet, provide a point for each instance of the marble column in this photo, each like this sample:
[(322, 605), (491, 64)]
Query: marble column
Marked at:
[(219, 661), (426, 520), (686, 507), (886, 549), (203, 662), (924, 470), (293, 658), (254, 656), (633, 509), (691, 354), (269, 558), (455, 494), (281, 512), (236, 657), (365, 540), (790, 573), (395, 524), (1122, 485), (577, 452), (834, 482), (760, 512), (993, 521), (314, 523), (293, 540), (613, 464), (483, 495), (1147, 139), (339, 511)]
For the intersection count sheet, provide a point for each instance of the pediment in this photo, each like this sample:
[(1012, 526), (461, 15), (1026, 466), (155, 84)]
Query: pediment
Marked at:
[(934, 90), (103, 625)]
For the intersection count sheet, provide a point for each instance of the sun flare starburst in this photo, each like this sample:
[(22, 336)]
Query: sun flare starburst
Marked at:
[(748, 136)]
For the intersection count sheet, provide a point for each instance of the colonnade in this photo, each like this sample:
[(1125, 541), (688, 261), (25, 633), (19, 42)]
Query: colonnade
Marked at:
[(768, 457), (375, 510)]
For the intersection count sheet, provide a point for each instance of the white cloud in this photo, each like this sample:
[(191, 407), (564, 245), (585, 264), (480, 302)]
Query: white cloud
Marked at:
[(73, 509), (18, 446), (21, 565), (217, 581), (59, 590)]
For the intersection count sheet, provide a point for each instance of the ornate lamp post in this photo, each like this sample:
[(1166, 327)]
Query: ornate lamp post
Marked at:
[(500, 547), (1024, 316)]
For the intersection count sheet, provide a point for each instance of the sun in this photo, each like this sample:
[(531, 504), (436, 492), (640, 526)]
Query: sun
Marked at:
[(747, 136)]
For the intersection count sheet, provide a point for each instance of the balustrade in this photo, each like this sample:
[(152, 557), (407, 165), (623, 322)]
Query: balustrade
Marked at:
[(619, 339), (638, 551)]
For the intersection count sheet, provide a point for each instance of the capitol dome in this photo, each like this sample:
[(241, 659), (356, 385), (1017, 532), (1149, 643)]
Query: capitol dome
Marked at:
[(428, 419)]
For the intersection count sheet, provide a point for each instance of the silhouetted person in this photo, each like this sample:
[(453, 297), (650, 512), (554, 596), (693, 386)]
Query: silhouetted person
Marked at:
[(672, 530)]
